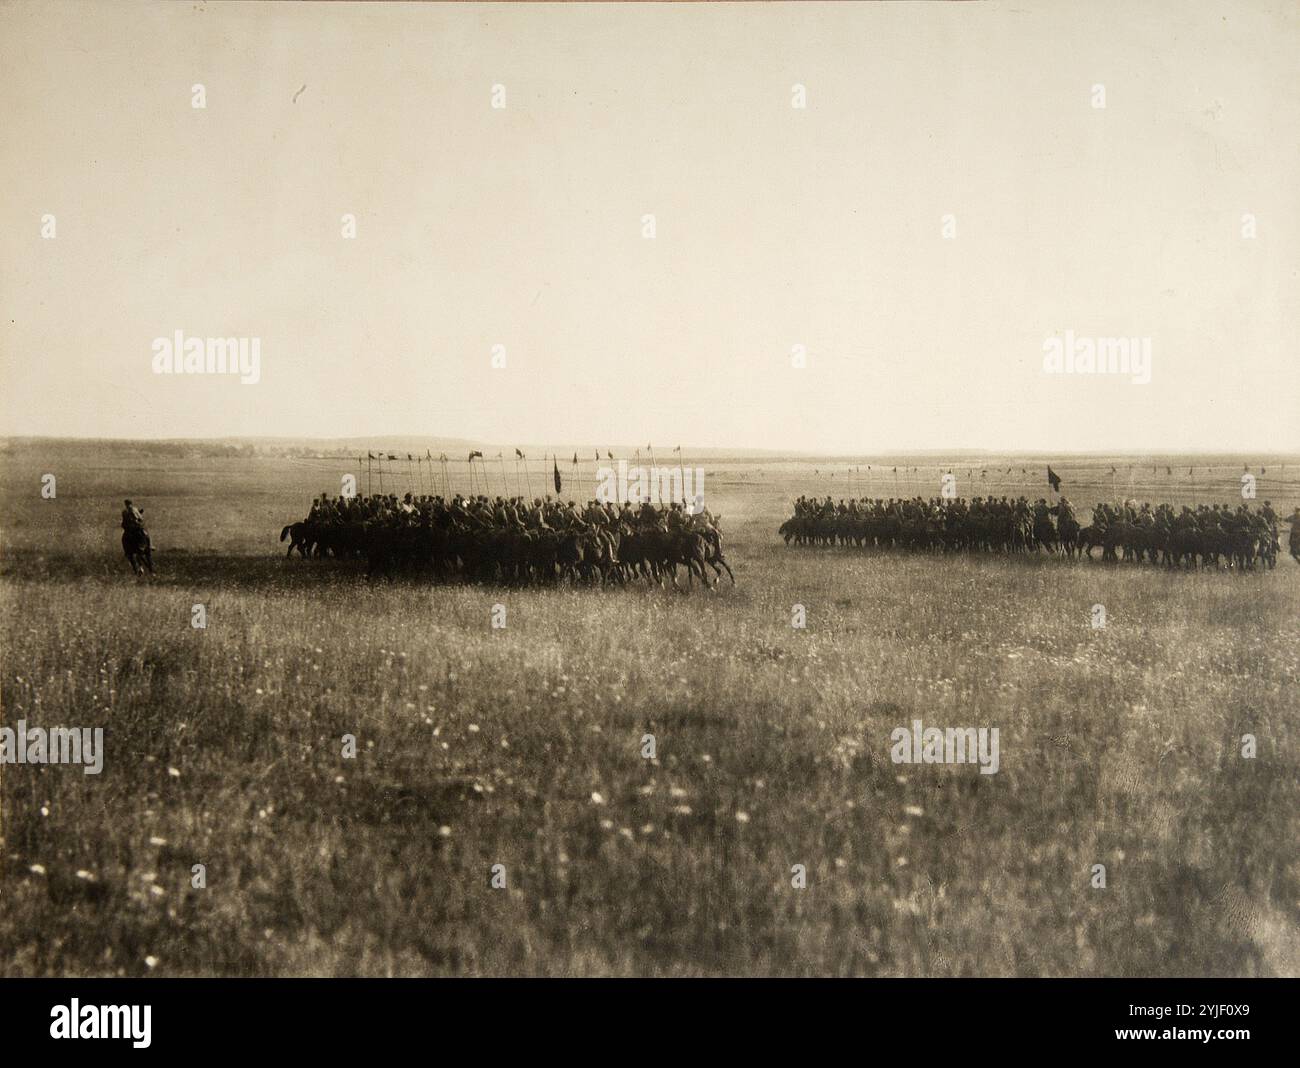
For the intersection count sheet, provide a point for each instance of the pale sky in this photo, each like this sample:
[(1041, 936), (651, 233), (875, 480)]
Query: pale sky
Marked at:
[(775, 226)]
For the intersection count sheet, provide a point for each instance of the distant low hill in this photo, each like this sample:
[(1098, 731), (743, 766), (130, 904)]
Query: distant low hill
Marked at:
[(459, 449), (400, 446)]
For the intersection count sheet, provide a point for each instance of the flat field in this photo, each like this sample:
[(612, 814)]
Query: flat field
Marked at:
[(523, 747)]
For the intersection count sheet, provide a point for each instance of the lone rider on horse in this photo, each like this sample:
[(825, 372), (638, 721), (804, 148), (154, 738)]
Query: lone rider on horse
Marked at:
[(135, 539)]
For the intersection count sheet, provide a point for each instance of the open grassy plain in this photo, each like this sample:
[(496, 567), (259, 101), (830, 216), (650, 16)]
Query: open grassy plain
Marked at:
[(522, 747)]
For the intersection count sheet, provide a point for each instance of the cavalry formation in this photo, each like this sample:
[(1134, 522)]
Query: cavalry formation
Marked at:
[(1205, 536), (511, 540)]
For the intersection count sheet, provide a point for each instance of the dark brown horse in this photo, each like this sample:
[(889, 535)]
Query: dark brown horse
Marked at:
[(138, 550), (713, 553), (301, 536)]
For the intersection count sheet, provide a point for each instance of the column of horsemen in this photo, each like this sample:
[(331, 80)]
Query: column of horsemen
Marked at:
[(512, 539), (547, 539), (1208, 535)]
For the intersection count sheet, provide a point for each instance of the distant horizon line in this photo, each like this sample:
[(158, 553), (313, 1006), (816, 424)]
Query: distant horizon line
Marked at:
[(774, 453)]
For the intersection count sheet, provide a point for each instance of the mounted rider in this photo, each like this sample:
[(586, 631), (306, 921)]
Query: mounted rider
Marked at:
[(133, 518)]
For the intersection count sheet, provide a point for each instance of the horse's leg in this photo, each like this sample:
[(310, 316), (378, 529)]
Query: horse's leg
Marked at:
[(704, 575)]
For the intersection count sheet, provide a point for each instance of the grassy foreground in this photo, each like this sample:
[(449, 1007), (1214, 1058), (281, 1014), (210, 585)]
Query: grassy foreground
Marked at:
[(522, 747)]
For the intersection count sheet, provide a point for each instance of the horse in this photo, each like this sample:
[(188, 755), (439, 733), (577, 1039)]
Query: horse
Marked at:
[(713, 553), (138, 549), (1045, 533), (607, 556), (639, 554), (343, 540), (301, 537), (579, 556), (688, 548), (1067, 528)]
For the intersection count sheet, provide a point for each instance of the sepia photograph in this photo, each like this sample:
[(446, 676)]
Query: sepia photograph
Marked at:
[(710, 491)]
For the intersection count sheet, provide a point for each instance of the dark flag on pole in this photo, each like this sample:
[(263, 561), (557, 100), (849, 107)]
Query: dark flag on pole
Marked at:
[(555, 463), (575, 459), (518, 455), (474, 454), (391, 456), (1053, 479)]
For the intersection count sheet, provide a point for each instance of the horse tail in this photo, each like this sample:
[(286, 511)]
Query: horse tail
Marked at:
[(285, 532)]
